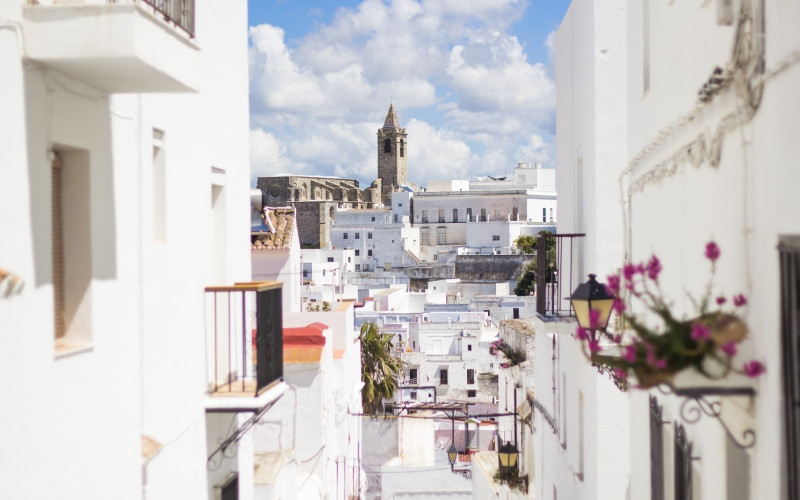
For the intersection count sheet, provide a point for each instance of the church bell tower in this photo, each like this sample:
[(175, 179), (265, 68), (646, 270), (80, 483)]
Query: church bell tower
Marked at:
[(392, 154)]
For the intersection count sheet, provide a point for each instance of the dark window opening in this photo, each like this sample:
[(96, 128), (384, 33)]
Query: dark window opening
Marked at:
[(470, 376), (471, 393), (789, 254), (402, 148), (387, 146), (443, 376)]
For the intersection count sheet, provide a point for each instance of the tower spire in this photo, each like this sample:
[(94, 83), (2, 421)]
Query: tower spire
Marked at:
[(391, 118)]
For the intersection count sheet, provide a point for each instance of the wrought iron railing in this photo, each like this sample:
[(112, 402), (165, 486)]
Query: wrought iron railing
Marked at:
[(555, 256), (178, 12), (244, 335)]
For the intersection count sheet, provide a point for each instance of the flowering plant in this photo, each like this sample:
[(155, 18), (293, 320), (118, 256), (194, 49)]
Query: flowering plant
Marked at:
[(512, 356), (706, 341)]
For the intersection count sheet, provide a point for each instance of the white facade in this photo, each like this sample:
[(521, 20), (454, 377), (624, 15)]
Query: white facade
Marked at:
[(379, 243), (736, 184), (580, 447), (153, 192)]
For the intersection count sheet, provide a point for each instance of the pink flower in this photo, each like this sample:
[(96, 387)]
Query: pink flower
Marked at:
[(629, 271), (660, 364), (653, 268), (594, 317), (721, 300), (594, 346), (621, 373), (618, 306), (754, 369), (617, 338), (613, 284), (739, 300), (504, 365), (712, 251), (630, 354), (729, 349), (581, 333), (700, 331)]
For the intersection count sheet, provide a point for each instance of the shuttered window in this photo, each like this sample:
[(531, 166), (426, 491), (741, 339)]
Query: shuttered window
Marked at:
[(58, 247), (789, 251)]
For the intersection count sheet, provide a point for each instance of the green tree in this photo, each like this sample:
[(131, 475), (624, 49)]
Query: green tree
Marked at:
[(527, 244), (381, 370)]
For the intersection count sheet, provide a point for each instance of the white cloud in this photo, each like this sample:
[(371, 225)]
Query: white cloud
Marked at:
[(316, 103)]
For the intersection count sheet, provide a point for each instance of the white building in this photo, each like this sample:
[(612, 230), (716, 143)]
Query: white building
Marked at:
[(381, 239), (724, 144), (125, 182), (575, 443)]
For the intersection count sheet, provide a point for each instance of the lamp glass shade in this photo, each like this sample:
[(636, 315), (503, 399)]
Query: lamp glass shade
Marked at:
[(507, 455), (592, 296), (452, 454)]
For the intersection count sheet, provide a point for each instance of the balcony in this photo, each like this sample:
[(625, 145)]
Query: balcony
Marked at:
[(554, 285), (244, 346), (126, 46), (443, 357)]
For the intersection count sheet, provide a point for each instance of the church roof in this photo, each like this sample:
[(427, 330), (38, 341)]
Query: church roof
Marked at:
[(391, 119)]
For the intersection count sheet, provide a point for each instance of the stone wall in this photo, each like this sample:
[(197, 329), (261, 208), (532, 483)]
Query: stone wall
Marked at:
[(490, 267)]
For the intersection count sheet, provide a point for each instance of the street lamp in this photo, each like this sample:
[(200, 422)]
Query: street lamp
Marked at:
[(507, 456), (452, 454), (592, 303)]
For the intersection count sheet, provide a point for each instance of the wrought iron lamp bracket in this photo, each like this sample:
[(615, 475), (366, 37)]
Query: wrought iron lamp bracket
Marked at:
[(698, 402)]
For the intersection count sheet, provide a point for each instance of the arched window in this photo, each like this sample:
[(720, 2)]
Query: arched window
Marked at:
[(402, 148), (296, 194), (387, 146)]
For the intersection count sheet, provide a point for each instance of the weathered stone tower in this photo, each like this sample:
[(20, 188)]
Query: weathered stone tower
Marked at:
[(392, 153)]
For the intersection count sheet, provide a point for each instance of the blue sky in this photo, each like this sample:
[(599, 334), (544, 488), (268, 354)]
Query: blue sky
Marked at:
[(471, 80)]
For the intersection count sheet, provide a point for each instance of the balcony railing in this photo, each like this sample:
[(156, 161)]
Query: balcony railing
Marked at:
[(244, 335), (555, 256), (177, 12)]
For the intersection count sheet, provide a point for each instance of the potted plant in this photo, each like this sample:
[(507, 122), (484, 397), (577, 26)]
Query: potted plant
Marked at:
[(655, 352)]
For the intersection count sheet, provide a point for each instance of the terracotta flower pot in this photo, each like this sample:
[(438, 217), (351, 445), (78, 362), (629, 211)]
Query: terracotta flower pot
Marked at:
[(726, 328)]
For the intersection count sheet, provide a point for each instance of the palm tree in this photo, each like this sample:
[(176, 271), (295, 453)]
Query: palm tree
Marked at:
[(381, 370)]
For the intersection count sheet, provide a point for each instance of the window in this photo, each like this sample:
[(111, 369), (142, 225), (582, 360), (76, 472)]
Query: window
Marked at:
[(544, 215), (441, 215), (515, 312), (471, 393), (443, 376), (387, 146), (483, 215), (495, 237), (682, 464), (358, 236), (470, 376), (345, 236), (413, 344), (656, 451), (395, 218), (424, 216), (369, 253), (441, 236), (645, 45), (789, 254), (455, 215), (515, 213), (435, 256), (373, 219), (71, 244), (358, 253), (414, 395), (424, 236), (402, 148), (412, 375), (399, 204), (230, 490), (305, 273), (551, 215), (324, 271), (349, 260), (469, 215), (159, 187), (369, 236), (358, 267), (330, 259), (469, 347)]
